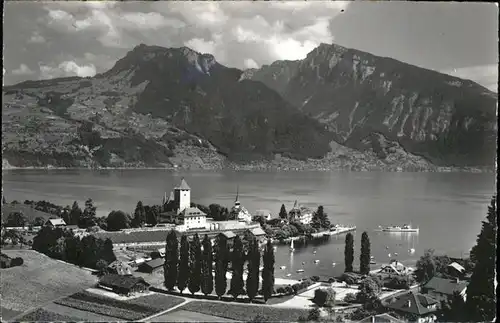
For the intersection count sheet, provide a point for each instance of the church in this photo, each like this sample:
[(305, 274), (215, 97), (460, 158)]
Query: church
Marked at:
[(239, 212), (178, 208)]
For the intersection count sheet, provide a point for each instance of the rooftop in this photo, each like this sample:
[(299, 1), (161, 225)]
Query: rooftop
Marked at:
[(457, 267), (229, 234), (56, 221), (446, 286), (155, 263), (380, 318), (417, 303), (183, 186), (114, 280), (192, 212), (258, 232)]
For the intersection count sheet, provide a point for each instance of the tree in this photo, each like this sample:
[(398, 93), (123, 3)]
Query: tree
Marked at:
[(253, 269), (324, 297), (429, 264), (207, 283), (320, 219), (481, 297), (16, 219), (221, 258), (183, 276), (314, 314), (349, 252), (237, 262), (171, 259), (107, 253), (75, 214), (139, 214), (283, 214), (454, 309), (194, 283), (268, 271), (4, 201), (117, 220), (102, 266), (152, 214), (364, 257), (90, 209)]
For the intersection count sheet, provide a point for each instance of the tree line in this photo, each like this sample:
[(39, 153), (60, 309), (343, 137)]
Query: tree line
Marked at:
[(197, 266), (62, 244)]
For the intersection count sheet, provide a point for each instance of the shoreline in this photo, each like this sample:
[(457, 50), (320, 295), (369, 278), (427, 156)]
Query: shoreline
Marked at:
[(257, 168)]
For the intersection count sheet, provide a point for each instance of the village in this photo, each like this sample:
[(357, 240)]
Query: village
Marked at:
[(128, 279)]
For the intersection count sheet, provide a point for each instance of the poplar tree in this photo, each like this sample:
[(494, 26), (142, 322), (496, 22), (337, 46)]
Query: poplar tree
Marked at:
[(207, 282), (237, 262), (253, 269), (221, 258), (283, 214), (481, 297), (349, 252), (171, 259), (364, 257), (194, 283), (139, 214), (268, 271), (183, 277)]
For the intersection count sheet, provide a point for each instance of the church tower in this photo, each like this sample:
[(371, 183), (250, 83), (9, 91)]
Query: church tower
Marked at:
[(237, 201), (182, 196)]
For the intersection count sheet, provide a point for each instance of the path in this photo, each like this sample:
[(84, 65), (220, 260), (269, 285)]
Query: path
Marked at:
[(186, 300)]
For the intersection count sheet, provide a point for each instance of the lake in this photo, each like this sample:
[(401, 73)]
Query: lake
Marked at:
[(448, 207)]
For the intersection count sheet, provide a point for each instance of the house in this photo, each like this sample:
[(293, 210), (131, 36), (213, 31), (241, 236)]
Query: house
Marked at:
[(415, 305), (193, 218), (380, 318), (229, 235), (300, 213), (152, 265), (395, 268), (259, 234), (441, 288), (455, 270), (55, 223), (124, 285), (120, 268)]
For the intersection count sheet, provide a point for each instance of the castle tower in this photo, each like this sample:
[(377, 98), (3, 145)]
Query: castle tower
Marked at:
[(182, 196)]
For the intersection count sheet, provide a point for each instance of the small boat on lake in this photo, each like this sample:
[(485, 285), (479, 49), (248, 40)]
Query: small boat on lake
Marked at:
[(397, 228), (283, 267), (314, 252), (300, 270), (288, 275), (316, 261), (334, 264), (373, 262), (411, 250)]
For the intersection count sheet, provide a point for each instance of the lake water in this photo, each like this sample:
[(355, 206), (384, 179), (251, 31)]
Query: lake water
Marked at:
[(448, 207)]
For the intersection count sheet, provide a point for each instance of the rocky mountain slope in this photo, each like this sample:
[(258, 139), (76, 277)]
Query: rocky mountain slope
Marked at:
[(363, 98), (174, 107)]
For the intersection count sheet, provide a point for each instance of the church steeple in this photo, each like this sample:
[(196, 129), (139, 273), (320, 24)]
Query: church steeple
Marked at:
[(237, 200)]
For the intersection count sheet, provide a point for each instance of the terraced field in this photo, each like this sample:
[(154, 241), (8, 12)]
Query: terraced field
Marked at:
[(134, 309)]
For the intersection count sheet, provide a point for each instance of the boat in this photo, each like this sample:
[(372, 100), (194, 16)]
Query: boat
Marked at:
[(333, 264), (303, 263), (283, 267), (373, 262), (291, 246), (288, 275), (300, 270), (314, 252), (397, 228), (395, 254), (316, 261), (412, 250), (388, 255), (372, 257)]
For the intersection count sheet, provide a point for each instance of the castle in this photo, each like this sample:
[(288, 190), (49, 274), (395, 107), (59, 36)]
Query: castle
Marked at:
[(180, 198)]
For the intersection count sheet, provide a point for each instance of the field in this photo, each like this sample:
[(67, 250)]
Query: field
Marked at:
[(39, 280), (244, 312), (30, 213), (133, 309), (41, 315), (187, 316)]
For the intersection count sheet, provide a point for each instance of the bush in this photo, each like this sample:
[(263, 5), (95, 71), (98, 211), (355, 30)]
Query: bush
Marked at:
[(350, 298), (314, 315), (324, 297), (280, 290), (18, 261), (315, 278)]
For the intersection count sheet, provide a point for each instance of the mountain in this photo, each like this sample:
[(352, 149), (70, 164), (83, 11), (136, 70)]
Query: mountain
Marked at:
[(156, 107), (367, 101)]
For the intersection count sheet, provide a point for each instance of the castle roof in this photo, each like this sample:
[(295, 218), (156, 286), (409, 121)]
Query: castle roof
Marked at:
[(183, 186)]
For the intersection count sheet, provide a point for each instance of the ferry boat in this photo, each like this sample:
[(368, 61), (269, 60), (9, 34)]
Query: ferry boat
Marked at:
[(300, 270), (397, 228)]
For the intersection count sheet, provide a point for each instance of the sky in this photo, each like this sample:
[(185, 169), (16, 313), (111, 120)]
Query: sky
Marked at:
[(55, 39)]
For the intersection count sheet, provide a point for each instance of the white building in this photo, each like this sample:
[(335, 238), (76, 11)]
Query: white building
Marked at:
[(300, 213), (55, 223), (193, 218)]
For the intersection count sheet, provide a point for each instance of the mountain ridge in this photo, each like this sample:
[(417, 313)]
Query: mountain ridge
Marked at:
[(172, 102)]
